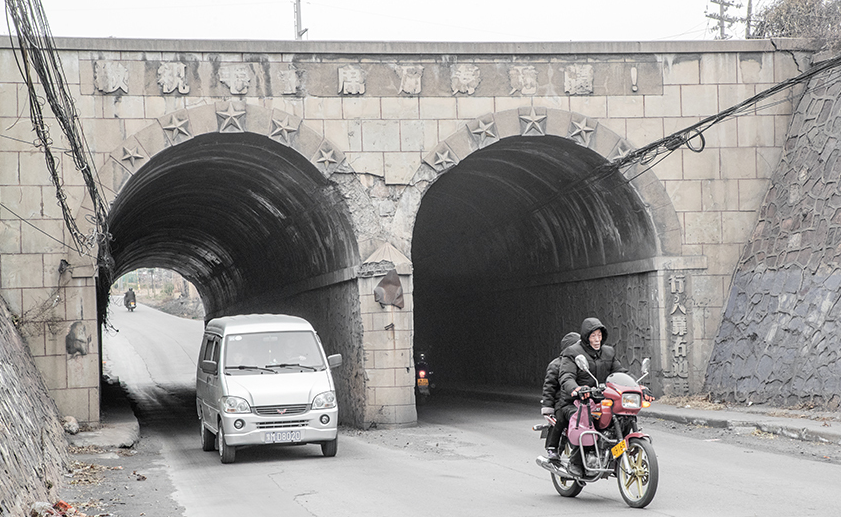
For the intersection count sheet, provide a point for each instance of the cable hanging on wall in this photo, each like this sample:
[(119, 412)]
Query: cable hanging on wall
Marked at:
[(37, 56)]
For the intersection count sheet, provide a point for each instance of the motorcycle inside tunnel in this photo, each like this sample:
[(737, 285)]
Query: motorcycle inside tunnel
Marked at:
[(515, 246)]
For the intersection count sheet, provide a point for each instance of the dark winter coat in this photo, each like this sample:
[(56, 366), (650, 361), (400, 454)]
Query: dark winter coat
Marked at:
[(602, 362), (552, 382)]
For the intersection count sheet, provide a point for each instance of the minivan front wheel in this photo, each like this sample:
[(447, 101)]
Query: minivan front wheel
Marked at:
[(227, 453), (329, 449)]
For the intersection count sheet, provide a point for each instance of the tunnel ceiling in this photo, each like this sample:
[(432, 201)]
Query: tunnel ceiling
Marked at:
[(525, 207), (238, 215)]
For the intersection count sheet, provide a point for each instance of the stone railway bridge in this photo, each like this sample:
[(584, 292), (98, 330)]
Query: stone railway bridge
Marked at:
[(292, 176)]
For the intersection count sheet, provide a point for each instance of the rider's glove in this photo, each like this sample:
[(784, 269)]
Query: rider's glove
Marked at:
[(646, 394), (576, 393), (549, 414)]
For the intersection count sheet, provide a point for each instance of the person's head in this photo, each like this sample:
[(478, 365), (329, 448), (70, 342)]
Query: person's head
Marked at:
[(131, 289), (568, 340), (593, 333)]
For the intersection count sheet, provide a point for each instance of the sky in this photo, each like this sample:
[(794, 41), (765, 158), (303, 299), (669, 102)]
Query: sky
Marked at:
[(386, 20)]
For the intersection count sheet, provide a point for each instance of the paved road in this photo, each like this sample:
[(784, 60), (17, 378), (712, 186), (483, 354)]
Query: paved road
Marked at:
[(465, 458)]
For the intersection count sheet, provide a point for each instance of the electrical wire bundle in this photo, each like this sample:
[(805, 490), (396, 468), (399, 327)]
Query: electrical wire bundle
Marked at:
[(38, 55)]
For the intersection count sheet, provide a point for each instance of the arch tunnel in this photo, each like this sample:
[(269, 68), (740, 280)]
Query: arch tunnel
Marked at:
[(514, 247)]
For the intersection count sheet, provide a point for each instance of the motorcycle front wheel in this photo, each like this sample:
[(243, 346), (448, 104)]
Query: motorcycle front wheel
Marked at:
[(639, 484), (565, 486)]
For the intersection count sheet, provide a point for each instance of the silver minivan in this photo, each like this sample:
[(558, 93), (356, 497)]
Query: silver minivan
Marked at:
[(264, 379)]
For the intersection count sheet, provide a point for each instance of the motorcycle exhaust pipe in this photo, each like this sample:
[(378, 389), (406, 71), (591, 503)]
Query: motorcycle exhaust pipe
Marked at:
[(554, 468)]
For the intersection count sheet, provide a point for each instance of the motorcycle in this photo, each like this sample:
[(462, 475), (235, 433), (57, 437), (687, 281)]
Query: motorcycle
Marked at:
[(423, 380), (130, 305), (609, 440)]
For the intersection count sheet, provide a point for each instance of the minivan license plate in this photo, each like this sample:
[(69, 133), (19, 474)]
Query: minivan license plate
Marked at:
[(282, 436)]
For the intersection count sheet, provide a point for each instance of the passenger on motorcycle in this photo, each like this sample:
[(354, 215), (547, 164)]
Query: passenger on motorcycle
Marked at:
[(603, 362), (552, 394)]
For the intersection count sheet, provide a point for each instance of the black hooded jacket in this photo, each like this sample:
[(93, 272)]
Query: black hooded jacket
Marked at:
[(602, 362), (552, 382)]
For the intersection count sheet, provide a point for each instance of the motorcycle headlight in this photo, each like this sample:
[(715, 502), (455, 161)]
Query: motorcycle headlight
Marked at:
[(235, 405), (326, 400), (631, 400)]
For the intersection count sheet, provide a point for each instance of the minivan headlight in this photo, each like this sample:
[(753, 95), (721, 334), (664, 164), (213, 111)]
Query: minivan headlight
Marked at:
[(235, 405), (326, 400)]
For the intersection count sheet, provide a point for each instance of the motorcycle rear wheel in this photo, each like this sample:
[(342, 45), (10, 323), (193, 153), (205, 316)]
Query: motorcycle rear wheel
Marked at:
[(566, 487), (638, 486)]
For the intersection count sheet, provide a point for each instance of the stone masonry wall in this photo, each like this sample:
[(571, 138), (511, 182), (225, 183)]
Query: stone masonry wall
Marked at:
[(779, 337), (33, 451)]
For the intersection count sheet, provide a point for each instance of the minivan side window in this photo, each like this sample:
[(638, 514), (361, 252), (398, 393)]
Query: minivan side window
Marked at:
[(216, 348), (207, 348)]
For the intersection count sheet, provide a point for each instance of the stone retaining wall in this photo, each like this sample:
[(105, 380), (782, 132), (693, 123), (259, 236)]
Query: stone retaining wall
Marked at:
[(778, 341), (33, 450)]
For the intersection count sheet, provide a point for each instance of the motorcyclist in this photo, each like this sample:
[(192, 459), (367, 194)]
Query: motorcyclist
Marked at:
[(551, 402), (603, 362), (129, 297)]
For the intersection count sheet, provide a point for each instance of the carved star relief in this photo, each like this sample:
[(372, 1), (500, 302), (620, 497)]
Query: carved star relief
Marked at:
[(484, 131), (621, 152), (282, 129), (533, 121), (582, 131), (131, 155), (443, 159), (178, 127), (230, 118), (326, 157)]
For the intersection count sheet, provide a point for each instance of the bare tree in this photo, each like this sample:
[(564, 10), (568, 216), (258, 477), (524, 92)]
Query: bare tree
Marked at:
[(816, 20)]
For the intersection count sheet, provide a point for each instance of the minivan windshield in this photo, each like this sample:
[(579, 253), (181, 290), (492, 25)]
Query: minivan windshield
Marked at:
[(278, 352)]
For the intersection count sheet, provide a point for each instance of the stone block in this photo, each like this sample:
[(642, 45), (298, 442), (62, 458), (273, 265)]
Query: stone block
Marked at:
[(293, 106), (618, 126), (9, 99), (751, 193), (767, 160), (400, 167), (511, 103), (756, 131), (80, 304), (670, 168), (74, 402), (595, 106), (474, 107), (25, 202), (438, 108), (418, 135), (723, 134), (703, 165), (699, 100), (737, 226), (322, 108), (702, 228), (361, 107), (719, 195), (552, 102), (755, 67), (393, 359), (718, 68), (33, 167), (722, 258), (367, 163), (9, 168), (730, 95), (738, 162), (103, 135), (380, 377), (707, 291), (124, 106), (625, 106), (10, 236), (681, 69), (42, 236), (400, 319), (685, 195), (54, 370), (381, 135), (396, 396), (665, 105), (21, 271), (83, 371), (12, 297), (340, 132), (447, 128), (402, 108), (643, 131)]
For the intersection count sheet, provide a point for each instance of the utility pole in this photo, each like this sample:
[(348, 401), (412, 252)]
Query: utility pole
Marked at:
[(298, 31), (723, 18)]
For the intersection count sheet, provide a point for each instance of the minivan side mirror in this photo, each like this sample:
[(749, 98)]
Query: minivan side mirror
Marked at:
[(334, 360), (209, 367)]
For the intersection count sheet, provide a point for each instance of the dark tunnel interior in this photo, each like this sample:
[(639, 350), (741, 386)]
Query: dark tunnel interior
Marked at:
[(238, 215), (494, 243)]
